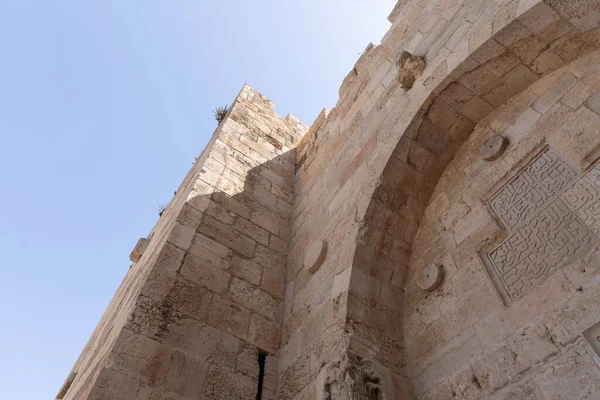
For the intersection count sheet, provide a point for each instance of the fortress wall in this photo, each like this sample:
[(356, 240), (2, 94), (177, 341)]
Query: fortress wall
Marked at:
[(339, 163), (511, 327), (96, 354), (384, 148), (205, 299), (227, 277)]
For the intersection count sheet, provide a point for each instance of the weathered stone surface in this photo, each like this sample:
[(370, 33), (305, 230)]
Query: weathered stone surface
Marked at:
[(315, 255), (393, 180), (410, 68), (351, 377), (431, 277), (225, 385), (139, 249), (493, 147), (532, 190)]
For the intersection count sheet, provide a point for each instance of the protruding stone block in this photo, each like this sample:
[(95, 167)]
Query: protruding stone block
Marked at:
[(493, 147), (431, 277), (315, 255), (139, 249), (411, 67)]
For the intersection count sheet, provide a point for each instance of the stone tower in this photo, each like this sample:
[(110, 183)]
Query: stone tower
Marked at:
[(436, 235)]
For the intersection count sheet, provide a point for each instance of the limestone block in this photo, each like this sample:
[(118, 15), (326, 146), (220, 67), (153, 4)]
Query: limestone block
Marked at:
[(273, 283), (493, 328), (253, 298), (411, 67), (247, 361), (222, 384), (522, 125), (493, 147), (593, 102), (150, 318), (397, 10), (204, 274), (139, 249), (186, 376), (575, 375), (113, 385), (455, 354), (440, 392), (580, 135), (140, 357), (188, 298), (465, 385), (476, 109), (182, 236), (264, 333), (229, 317), (431, 277), (227, 352), (247, 270), (192, 337), (315, 255)]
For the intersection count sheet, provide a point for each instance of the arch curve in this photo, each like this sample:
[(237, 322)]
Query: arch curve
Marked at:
[(486, 76)]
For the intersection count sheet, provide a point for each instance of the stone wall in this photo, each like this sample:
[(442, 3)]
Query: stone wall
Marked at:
[(204, 303), (369, 167), (308, 246), (518, 240)]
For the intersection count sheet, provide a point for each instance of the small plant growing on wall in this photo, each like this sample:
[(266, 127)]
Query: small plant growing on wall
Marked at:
[(220, 113), (162, 208)]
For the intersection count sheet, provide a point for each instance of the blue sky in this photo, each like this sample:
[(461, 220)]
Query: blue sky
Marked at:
[(103, 107)]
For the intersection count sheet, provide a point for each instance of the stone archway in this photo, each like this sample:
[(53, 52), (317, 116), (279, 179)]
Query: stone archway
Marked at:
[(459, 96)]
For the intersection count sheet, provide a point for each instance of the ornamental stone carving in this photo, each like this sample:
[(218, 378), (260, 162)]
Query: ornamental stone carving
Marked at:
[(532, 190), (351, 378), (493, 147), (411, 67), (553, 217), (431, 277)]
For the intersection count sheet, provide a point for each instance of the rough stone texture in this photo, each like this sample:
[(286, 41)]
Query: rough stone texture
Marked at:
[(411, 67), (493, 147), (139, 249), (431, 277), (207, 294), (553, 232), (393, 180)]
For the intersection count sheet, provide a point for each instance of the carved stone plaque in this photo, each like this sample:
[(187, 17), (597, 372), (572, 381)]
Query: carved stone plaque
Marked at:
[(554, 219), (584, 200), (532, 190), (547, 242)]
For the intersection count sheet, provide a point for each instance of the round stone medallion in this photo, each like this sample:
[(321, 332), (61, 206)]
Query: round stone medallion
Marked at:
[(315, 255), (493, 147), (431, 277)]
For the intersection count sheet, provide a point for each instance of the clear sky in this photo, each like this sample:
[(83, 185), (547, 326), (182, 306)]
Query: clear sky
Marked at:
[(103, 107)]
